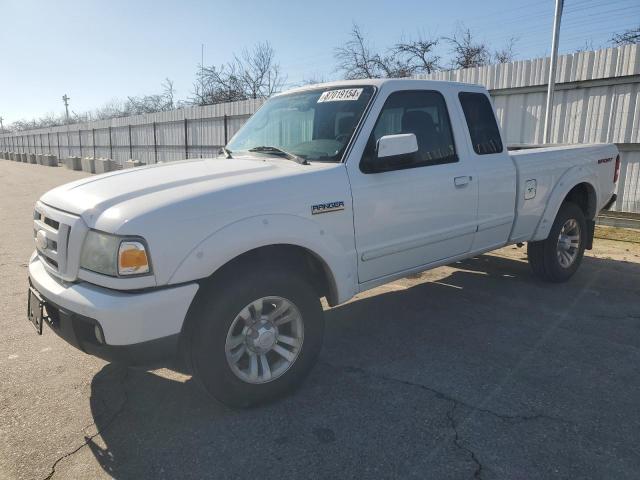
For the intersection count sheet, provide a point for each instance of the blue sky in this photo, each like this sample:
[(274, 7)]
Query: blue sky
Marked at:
[(96, 51)]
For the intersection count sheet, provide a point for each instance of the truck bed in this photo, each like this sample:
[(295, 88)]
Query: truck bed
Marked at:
[(543, 168)]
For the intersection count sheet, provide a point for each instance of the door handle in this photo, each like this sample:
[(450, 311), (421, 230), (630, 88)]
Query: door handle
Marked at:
[(462, 181)]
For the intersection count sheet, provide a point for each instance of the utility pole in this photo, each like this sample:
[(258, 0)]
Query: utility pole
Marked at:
[(66, 99), (552, 71), (1, 126)]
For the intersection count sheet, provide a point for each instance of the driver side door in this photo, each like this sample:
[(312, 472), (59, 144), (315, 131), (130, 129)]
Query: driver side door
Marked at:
[(415, 213)]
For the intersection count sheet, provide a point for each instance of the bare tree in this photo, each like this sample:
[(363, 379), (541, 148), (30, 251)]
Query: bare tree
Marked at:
[(253, 74), (627, 37), (467, 51), (357, 59), (507, 53), (113, 108), (418, 54), (169, 92), (585, 47)]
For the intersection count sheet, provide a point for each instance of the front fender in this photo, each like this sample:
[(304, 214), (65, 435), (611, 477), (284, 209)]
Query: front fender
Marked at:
[(572, 177), (250, 233)]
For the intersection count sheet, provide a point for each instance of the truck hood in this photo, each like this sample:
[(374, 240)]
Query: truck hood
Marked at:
[(128, 193)]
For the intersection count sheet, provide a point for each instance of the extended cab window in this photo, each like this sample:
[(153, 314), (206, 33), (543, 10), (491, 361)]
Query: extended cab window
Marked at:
[(481, 122), (423, 113)]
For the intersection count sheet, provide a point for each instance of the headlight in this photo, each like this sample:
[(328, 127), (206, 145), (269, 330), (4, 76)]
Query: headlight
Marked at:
[(113, 255)]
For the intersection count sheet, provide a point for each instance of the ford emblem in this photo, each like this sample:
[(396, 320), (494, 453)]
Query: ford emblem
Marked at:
[(41, 239)]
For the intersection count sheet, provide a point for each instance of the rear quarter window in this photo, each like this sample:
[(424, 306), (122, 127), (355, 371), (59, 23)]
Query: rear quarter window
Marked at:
[(481, 122)]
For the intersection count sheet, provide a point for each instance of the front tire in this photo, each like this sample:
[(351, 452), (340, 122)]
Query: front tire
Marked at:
[(257, 334), (557, 258)]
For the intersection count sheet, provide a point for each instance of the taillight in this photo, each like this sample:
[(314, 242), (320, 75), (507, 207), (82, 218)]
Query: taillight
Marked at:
[(616, 174)]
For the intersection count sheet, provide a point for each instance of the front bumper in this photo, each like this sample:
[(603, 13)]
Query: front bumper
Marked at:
[(135, 328)]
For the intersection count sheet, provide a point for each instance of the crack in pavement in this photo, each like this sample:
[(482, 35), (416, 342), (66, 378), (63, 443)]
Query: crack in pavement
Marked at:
[(456, 440), (90, 438), (449, 398), (455, 403)]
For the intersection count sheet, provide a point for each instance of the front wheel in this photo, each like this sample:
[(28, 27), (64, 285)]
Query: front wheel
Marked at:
[(557, 258), (256, 336)]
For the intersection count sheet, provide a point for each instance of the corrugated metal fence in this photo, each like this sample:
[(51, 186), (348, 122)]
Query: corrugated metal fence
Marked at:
[(156, 137), (597, 100)]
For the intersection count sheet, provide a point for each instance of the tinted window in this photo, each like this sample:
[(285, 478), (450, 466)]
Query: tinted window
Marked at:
[(423, 113), (481, 121)]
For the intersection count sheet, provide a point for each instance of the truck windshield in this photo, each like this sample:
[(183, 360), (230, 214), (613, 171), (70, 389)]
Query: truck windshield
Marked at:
[(312, 125)]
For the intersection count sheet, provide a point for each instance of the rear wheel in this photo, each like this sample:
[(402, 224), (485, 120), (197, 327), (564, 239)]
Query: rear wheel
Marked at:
[(557, 258), (256, 336)]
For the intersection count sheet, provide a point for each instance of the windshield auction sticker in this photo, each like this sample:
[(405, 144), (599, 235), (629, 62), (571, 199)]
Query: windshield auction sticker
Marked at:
[(343, 95)]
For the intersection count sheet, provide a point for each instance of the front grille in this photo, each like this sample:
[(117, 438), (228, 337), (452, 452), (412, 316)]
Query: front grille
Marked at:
[(52, 223), (51, 230)]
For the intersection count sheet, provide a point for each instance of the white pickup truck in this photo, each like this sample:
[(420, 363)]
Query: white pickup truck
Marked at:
[(327, 191)]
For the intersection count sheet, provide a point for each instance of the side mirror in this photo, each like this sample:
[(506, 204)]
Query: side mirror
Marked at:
[(392, 152), (394, 147)]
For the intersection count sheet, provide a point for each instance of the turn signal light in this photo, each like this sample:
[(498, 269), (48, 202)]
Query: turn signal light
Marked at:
[(132, 259)]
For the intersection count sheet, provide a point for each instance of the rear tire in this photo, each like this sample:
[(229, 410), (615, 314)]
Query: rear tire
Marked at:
[(259, 314), (557, 258)]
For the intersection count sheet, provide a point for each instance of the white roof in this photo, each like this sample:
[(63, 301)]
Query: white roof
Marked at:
[(378, 82)]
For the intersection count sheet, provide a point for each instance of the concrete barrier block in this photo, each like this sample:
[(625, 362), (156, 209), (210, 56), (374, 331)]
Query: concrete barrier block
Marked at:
[(13, 156), (104, 165), (131, 163), (73, 163), (89, 164), (49, 160), (39, 158), (24, 158), (31, 157)]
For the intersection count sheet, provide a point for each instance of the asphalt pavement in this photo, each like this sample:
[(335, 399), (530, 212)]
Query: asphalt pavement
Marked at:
[(476, 370)]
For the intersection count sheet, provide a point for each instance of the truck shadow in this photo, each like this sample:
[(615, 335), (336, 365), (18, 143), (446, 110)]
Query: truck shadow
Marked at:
[(390, 364)]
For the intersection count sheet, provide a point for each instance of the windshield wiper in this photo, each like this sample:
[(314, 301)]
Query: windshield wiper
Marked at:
[(279, 151), (227, 152)]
